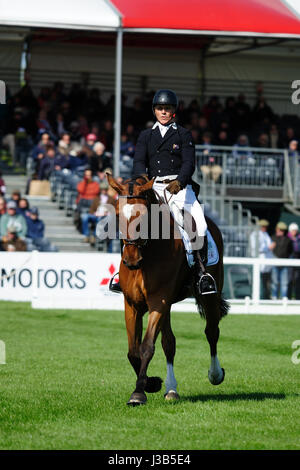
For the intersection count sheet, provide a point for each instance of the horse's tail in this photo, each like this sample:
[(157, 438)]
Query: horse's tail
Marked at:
[(223, 305)]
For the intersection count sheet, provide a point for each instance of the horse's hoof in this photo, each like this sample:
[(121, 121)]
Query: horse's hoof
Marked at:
[(153, 384), (171, 395), (216, 380), (137, 399)]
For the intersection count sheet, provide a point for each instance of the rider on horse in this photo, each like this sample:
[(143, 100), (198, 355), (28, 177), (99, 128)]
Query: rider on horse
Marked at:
[(167, 153)]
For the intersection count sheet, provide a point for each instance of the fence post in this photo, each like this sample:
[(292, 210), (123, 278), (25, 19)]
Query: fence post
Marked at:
[(256, 281)]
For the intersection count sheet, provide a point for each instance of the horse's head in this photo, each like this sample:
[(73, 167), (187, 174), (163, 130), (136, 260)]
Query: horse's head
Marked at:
[(133, 209)]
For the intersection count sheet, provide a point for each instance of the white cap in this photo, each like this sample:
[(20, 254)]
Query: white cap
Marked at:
[(293, 226)]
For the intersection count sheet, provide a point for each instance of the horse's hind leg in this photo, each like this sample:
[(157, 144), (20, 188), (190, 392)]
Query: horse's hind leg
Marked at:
[(168, 342), (216, 373)]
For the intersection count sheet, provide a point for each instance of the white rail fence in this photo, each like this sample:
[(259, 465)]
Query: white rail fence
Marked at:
[(80, 281)]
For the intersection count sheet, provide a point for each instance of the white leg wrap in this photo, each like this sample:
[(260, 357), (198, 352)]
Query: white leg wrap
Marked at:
[(170, 382)]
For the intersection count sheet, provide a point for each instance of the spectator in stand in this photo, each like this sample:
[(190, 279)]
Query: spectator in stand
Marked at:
[(98, 210), (23, 207), (41, 147), (11, 241), (241, 155), (294, 155), (107, 135), (12, 219), (274, 136), (78, 159), (294, 273), (2, 206), (282, 247), (209, 166), (65, 145), (260, 242), (15, 196), (47, 164), (223, 139), (127, 147), (99, 160), (35, 237), (87, 190), (2, 185), (262, 110)]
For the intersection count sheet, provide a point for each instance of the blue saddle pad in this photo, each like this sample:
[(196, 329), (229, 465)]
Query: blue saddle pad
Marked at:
[(212, 250)]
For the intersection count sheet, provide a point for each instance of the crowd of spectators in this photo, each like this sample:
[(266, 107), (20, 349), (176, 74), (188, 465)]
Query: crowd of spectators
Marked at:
[(278, 281), (21, 229), (61, 128), (71, 132)]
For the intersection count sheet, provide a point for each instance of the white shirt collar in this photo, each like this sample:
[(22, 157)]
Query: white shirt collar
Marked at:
[(164, 129)]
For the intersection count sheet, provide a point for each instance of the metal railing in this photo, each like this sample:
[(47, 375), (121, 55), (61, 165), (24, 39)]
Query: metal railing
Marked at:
[(225, 169)]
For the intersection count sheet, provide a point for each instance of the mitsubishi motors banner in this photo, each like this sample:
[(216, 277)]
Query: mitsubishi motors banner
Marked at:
[(64, 280)]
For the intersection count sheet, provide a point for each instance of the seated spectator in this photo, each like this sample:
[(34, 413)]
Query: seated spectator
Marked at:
[(15, 196), (35, 233), (12, 219), (87, 189), (23, 207), (2, 185), (99, 160), (41, 147), (127, 147), (97, 211), (241, 155), (11, 241), (65, 145), (282, 247), (208, 164), (47, 164), (294, 273), (78, 159)]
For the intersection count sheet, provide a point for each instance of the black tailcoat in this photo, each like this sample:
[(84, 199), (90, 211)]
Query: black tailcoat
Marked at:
[(173, 154)]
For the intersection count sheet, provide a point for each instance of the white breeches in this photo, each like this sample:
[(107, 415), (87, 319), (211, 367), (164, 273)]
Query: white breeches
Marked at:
[(184, 200)]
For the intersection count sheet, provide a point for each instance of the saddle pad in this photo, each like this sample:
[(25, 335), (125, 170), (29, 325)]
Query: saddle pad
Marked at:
[(212, 252)]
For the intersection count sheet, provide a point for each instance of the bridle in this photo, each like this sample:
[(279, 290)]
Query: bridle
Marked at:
[(139, 242)]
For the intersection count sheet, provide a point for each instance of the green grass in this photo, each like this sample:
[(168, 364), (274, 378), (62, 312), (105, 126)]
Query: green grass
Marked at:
[(67, 380)]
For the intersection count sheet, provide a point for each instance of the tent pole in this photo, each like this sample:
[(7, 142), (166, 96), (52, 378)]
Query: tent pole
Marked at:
[(118, 102)]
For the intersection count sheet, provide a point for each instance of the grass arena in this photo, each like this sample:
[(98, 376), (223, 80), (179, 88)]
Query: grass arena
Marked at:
[(66, 380)]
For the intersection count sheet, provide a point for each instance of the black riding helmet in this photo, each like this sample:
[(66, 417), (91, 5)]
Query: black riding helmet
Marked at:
[(165, 97)]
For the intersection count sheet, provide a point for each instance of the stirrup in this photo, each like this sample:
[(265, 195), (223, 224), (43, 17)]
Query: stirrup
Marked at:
[(206, 284), (114, 287)]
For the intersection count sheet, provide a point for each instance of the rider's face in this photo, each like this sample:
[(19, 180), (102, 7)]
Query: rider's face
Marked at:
[(164, 113)]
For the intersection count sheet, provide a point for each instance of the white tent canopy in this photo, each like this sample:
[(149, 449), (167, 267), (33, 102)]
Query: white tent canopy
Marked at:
[(97, 15)]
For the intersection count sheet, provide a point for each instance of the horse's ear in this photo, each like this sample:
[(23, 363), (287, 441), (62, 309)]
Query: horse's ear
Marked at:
[(147, 186), (114, 184)]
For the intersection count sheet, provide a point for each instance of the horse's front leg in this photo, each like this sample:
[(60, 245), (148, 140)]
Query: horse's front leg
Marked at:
[(146, 350), (134, 327)]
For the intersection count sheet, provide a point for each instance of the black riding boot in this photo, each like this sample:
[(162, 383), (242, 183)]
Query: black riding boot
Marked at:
[(205, 282), (115, 286)]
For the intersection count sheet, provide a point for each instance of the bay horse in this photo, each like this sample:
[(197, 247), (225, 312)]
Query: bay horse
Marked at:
[(153, 275)]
